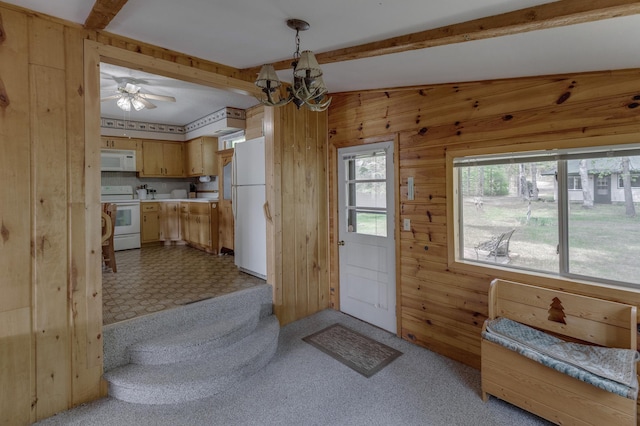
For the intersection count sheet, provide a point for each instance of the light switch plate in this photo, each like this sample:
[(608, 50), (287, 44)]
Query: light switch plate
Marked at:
[(407, 225)]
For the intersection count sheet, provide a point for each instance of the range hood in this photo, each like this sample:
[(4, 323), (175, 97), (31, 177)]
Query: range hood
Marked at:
[(222, 122)]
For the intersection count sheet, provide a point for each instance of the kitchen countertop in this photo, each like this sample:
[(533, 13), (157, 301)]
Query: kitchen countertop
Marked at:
[(191, 200)]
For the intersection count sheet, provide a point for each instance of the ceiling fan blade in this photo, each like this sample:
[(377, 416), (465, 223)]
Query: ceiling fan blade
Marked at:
[(146, 103), (108, 98), (157, 97)]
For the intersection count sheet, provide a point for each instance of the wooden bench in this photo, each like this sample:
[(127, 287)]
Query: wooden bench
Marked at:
[(496, 246), (545, 391)]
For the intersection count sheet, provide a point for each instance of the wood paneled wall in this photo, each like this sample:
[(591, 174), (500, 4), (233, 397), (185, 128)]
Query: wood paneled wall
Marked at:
[(51, 304), (442, 304), (298, 200)]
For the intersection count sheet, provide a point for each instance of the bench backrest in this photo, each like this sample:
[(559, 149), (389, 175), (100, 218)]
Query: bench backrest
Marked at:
[(590, 319)]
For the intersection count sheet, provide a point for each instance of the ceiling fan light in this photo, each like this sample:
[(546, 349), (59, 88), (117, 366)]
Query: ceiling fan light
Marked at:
[(267, 78), (124, 103), (307, 66), (137, 105)]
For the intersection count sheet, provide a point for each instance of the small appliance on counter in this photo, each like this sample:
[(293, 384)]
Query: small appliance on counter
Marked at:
[(142, 193), (179, 193)]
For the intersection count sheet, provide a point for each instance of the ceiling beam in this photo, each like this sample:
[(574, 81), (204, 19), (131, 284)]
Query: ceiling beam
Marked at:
[(544, 16), (102, 13)]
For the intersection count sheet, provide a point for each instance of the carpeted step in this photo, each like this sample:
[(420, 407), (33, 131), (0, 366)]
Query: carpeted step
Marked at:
[(191, 380), (189, 321), (196, 342)]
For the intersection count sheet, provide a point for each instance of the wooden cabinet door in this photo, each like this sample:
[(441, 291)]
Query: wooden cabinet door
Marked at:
[(200, 156), (225, 210), (152, 158), (170, 221), (213, 228), (173, 159), (108, 142), (199, 224), (184, 221), (150, 226), (193, 158), (209, 157)]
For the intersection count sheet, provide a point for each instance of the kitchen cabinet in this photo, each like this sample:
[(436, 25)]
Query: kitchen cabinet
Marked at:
[(170, 221), (184, 221), (162, 159), (200, 158), (149, 222), (109, 142), (201, 221), (225, 209)]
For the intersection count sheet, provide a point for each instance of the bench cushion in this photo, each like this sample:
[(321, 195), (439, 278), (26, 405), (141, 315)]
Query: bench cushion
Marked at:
[(611, 369)]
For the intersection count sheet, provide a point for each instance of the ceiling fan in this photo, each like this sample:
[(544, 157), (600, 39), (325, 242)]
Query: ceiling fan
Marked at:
[(129, 96)]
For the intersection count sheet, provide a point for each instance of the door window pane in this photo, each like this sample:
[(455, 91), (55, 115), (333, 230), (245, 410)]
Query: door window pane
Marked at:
[(366, 193)]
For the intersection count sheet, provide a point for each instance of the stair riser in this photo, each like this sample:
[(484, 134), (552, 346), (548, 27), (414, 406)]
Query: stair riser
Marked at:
[(171, 393), (193, 350), (119, 337)]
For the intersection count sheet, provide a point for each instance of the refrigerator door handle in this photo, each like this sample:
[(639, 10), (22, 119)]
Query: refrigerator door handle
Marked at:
[(233, 203), (234, 179), (267, 212)]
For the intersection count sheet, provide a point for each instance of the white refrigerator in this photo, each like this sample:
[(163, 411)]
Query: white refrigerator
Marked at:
[(248, 199)]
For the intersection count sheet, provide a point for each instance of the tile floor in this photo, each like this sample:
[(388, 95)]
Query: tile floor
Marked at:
[(156, 278)]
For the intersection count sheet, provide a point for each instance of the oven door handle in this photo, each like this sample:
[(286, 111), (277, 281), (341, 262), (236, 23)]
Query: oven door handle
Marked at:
[(125, 204)]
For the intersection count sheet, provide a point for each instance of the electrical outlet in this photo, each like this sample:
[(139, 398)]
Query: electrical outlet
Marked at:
[(407, 224)]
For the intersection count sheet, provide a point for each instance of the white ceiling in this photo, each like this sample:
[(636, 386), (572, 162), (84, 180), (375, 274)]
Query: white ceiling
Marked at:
[(247, 33)]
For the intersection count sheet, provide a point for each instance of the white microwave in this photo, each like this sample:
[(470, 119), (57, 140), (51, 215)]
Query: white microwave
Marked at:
[(117, 160)]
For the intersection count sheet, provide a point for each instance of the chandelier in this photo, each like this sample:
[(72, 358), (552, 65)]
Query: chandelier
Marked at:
[(308, 88)]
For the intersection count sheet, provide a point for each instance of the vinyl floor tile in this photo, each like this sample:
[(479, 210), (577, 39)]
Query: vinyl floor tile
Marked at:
[(156, 278)]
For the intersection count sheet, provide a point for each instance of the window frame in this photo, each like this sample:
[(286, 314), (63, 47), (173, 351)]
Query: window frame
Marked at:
[(456, 260)]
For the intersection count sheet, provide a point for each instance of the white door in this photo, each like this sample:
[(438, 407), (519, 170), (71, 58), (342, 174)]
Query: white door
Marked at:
[(366, 233)]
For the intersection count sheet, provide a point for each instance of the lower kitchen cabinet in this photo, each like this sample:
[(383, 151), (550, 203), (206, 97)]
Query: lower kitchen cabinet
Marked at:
[(184, 221), (149, 222), (199, 222), (170, 221)]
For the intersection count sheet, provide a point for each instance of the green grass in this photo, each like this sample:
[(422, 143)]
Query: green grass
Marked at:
[(603, 241)]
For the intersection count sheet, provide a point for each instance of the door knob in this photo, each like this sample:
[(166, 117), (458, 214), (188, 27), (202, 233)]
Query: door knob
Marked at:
[(341, 242)]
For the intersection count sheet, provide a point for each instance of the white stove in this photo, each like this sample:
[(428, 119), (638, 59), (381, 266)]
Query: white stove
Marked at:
[(127, 229)]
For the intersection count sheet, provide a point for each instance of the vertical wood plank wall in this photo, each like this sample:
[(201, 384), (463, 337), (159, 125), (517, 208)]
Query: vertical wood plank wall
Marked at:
[(51, 304), (297, 141), (442, 304)]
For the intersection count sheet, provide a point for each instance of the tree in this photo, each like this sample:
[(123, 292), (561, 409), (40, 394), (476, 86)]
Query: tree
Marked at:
[(534, 182), (587, 198), (480, 191), (524, 187), (630, 209)]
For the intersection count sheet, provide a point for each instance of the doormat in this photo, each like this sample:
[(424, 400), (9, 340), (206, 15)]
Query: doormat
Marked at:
[(359, 352)]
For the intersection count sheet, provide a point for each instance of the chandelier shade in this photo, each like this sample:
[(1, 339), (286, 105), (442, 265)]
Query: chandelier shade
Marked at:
[(307, 88), (308, 66), (268, 79)]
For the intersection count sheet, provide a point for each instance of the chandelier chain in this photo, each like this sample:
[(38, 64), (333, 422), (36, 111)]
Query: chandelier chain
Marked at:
[(296, 54)]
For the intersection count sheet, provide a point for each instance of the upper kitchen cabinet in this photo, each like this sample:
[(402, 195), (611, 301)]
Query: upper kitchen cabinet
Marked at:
[(109, 142), (200, 158), (162, 159)]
